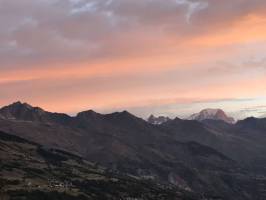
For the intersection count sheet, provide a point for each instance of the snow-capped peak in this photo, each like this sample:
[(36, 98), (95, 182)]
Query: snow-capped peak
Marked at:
[(157, 120), (213, 114)]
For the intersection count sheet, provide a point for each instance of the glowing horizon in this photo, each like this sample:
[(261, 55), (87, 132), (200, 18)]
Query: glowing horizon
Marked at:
[(157, 57)]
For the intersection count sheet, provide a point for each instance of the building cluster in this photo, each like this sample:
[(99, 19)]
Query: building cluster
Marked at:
[(53, 183)]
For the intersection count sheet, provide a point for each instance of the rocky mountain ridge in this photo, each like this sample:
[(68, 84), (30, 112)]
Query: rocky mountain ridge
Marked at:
[(190, 154), (157, 120)]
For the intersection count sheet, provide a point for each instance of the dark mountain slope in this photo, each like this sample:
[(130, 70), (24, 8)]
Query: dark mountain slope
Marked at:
[(30, 171), (235, 141), (142, 151), (252, 124), (125, 143)]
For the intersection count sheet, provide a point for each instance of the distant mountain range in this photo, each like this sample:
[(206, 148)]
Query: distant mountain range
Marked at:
[(206, 114), (208, 156)]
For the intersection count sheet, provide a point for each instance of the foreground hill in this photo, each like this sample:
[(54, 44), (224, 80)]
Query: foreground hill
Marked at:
[(31, 171), (171, 153)]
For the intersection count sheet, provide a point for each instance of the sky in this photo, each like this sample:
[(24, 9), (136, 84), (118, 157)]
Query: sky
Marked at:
[(162, 57)]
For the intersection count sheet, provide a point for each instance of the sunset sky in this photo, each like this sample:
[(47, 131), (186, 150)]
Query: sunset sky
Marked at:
[(166, 57)]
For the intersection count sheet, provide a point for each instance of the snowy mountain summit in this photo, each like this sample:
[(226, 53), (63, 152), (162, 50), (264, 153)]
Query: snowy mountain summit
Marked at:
[(157, 120), (212, 114)]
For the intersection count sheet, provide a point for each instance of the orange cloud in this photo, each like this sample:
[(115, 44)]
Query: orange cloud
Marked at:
[(133, 56), (251, 28)]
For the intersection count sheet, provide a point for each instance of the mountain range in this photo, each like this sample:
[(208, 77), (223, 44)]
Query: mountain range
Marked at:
[(206, 114), (208, 157)]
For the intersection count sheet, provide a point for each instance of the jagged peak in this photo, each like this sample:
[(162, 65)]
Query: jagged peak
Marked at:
[(22, 111), (177, 119), (19, 104), (15, 104), (157, 120)]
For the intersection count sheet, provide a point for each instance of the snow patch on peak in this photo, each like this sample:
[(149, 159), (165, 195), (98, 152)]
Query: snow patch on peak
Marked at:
[(157, 120), (213, 114)]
